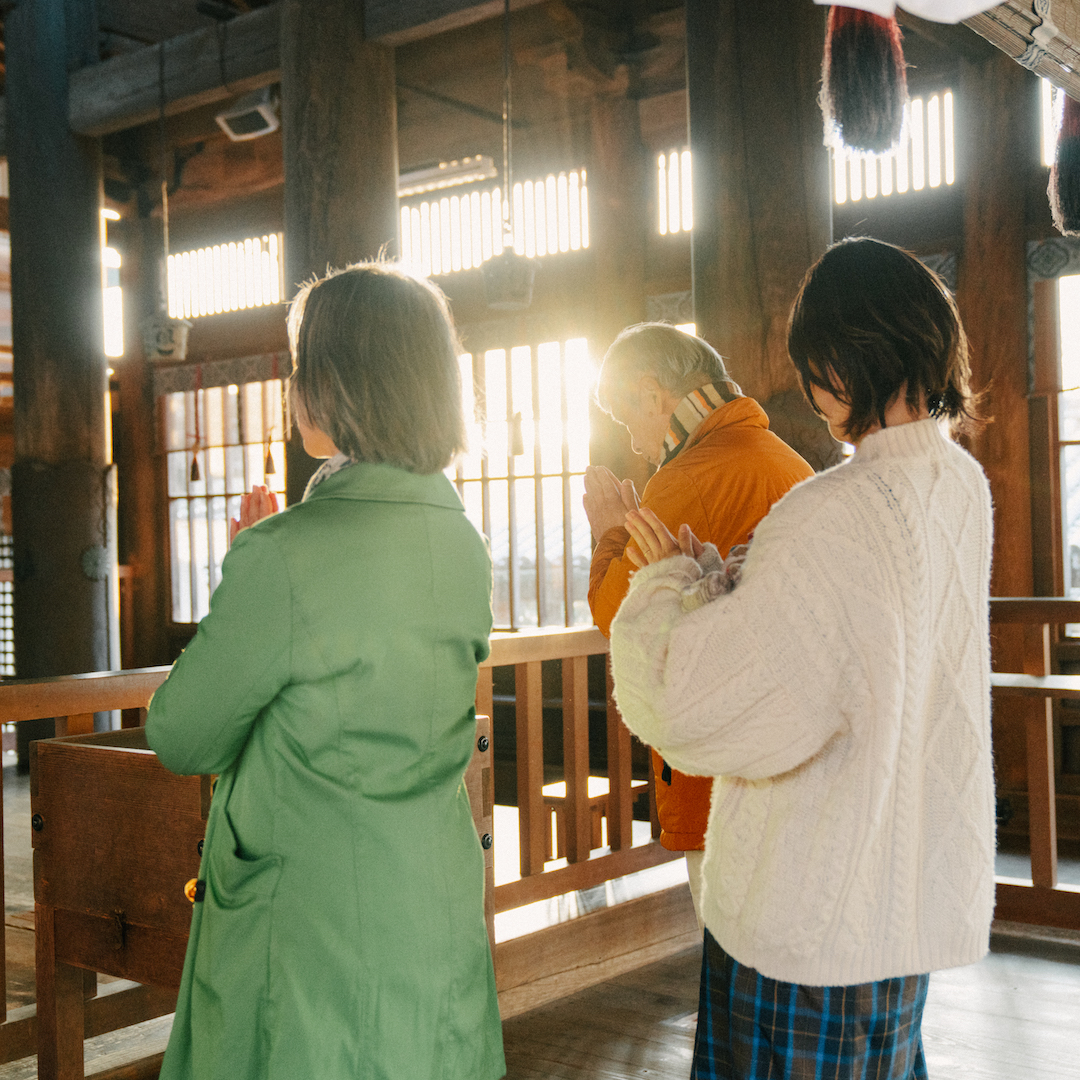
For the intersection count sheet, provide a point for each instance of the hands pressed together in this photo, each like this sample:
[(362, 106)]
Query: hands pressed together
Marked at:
[(654, 541), (607, 500), (611, 503), (260, 503)]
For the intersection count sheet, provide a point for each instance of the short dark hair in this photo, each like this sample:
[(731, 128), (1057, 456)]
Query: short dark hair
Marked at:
[(680, 362), (375, 366), (871, 319)]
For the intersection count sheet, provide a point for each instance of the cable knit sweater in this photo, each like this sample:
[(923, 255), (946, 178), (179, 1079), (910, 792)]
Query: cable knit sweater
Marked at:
[(841, 694)]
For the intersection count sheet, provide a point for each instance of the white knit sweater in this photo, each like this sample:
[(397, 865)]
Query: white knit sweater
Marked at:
[(841, 694)]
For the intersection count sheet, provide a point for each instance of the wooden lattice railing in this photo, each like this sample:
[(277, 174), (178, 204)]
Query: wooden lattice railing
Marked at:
[(1027, 697), (73, 701)]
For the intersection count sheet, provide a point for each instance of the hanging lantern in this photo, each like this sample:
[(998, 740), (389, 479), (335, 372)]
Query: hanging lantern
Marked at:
[(863, 80), (1064, 186), (165, 338), (508, 281), (509, 277)]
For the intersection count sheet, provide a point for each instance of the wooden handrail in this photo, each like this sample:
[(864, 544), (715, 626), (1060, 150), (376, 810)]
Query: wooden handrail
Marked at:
[(80, 696), (67, 695), (1031, 694), (1008, 684), (1034, 610), (524, 646)]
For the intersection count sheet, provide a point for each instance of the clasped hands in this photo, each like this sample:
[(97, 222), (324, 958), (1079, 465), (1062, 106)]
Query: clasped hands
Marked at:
[(260, 503), (610, 503)]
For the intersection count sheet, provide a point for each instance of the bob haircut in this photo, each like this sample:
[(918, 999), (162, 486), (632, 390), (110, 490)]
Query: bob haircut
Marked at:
[(680, 362), (870, 320), (375, 366)]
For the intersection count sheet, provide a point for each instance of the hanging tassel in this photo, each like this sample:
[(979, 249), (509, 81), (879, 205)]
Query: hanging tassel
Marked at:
[(863, 80), (268, 466), (195, 476), (1064, 186)]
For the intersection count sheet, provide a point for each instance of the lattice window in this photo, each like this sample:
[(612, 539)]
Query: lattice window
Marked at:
[(924, 158), (235, 435), (7, 613), (1069, 429), (458, 232), (226, 277), (523, 479), (674, 192)]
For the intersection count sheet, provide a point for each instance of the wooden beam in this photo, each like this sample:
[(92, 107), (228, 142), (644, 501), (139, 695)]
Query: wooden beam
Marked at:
[(1049, 46), (391, 22), (203, 67), (1020, 902), (139, 21)]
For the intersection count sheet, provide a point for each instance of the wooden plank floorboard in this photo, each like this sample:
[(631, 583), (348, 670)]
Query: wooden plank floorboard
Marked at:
[(1014, 1015), (628, 1028)]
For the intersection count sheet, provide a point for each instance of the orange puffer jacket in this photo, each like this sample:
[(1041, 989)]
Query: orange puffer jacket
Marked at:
[(722, 483)]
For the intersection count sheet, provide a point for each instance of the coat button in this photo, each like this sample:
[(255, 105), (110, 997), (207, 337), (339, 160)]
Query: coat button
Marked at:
[(37, 823), (482, 744), (486, 841), (199, 847)]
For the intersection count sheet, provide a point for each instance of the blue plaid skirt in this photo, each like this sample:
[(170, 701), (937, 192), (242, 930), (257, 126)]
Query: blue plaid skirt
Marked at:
[(752, 1028)]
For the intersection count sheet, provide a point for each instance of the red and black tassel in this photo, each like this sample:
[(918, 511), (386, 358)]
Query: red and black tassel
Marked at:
[(863, 80), (1064, 186)]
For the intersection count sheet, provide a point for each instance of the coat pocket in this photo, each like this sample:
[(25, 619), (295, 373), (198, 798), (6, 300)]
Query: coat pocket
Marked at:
[(236, 879), (230, 993)]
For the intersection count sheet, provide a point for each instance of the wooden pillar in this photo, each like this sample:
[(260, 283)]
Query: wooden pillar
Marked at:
[(64, 556), (998, 114), (142, 514), (618, 225), (999, 121), (762, 210), (339, 123)]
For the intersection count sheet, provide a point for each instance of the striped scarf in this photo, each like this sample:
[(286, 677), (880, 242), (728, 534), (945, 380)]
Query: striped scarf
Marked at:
[(330, 466), (692, 410)]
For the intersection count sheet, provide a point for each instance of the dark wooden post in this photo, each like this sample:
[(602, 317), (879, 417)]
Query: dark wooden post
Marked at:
[(762, 211), (61, 478), (998, 116), (339, 122), (618, 225), (143, 520)]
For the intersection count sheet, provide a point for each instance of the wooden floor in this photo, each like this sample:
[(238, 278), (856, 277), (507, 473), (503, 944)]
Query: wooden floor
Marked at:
[(1013, 1016)]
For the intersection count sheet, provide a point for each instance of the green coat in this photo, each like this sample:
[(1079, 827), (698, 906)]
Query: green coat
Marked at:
[(342, 932)]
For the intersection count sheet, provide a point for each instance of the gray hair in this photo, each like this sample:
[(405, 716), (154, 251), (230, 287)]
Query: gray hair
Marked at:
[(680, 362), (375, 366)]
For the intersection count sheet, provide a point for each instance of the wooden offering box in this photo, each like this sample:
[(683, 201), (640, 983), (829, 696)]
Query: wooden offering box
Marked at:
[(116, 837)]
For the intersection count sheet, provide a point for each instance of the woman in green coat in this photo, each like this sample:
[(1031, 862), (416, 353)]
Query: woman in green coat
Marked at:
[(340, 932)]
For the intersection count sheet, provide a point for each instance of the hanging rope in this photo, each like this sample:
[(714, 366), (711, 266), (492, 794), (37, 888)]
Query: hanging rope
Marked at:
[(164, 152), (508, 231)]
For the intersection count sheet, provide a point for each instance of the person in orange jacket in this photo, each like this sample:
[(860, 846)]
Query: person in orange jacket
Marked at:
[(720, 469)]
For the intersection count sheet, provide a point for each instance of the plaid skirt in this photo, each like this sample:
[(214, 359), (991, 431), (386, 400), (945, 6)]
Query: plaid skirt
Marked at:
[(750, 1027)]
